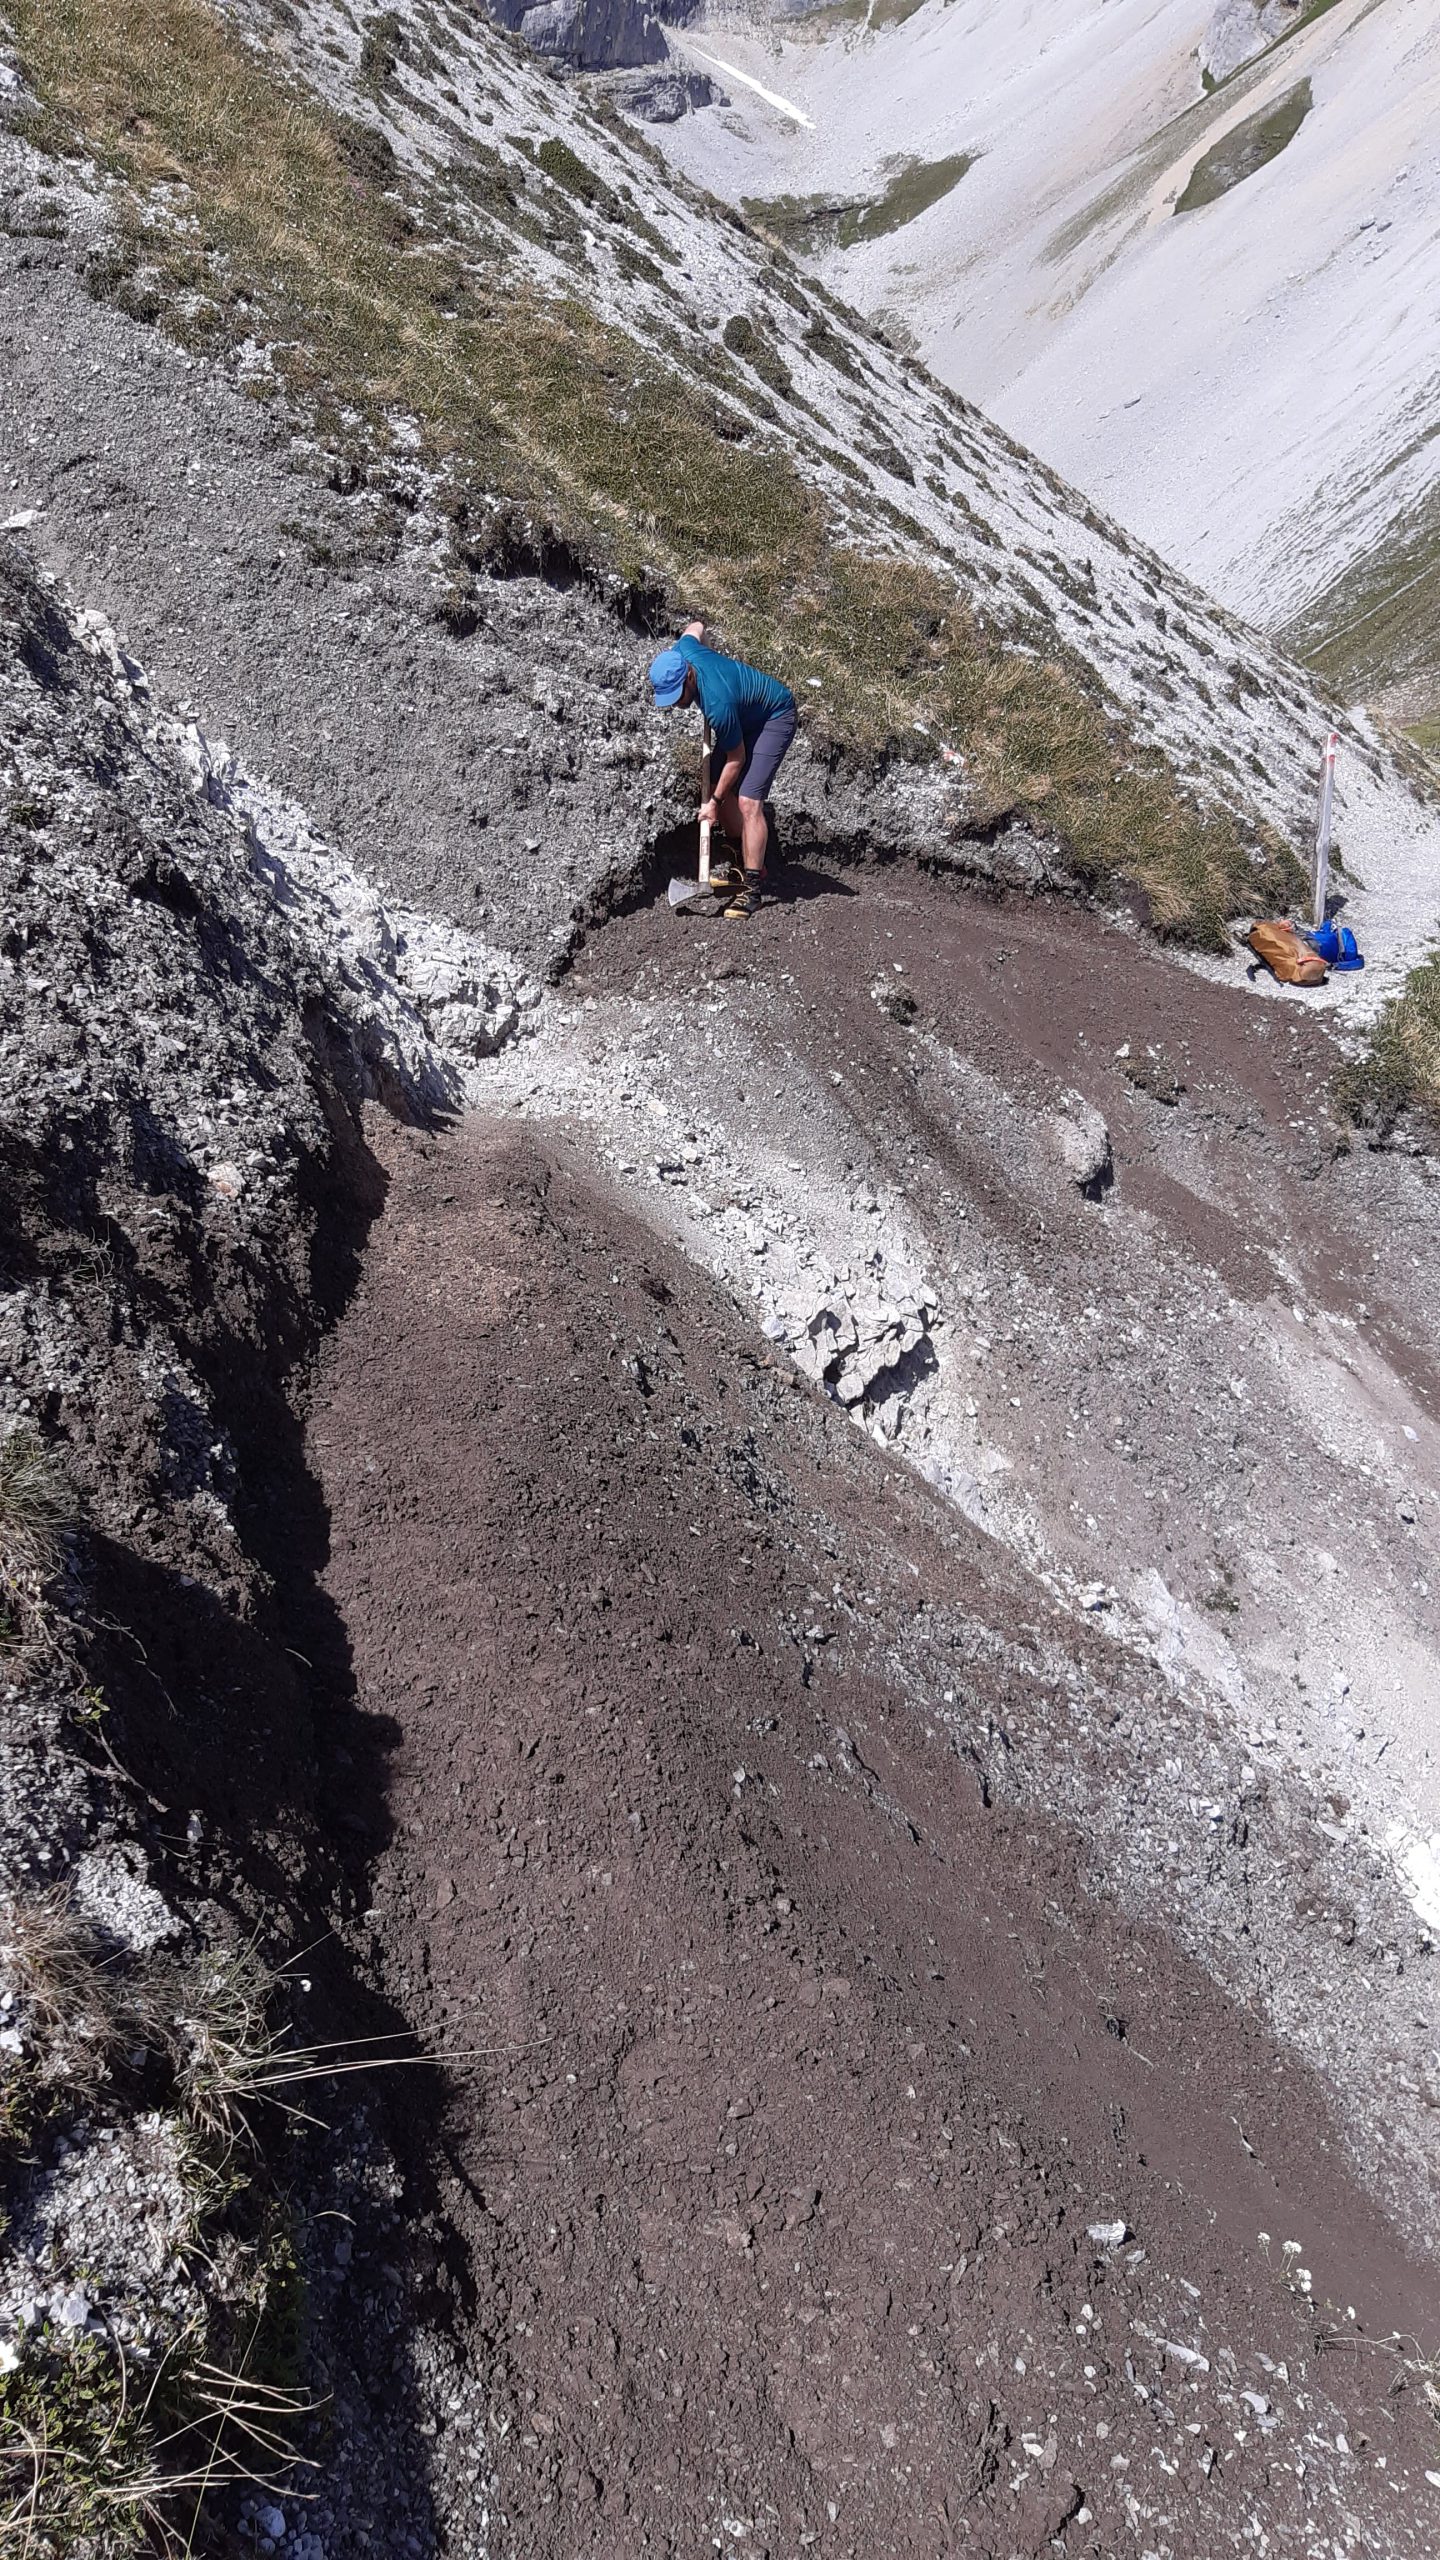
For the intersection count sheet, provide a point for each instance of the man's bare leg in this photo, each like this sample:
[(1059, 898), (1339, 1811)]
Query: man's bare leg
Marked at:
[(732, 823), (755, 833)]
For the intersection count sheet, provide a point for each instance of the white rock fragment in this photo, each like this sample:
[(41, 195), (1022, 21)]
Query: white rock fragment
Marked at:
[(429, 995), (110, 1887), (1417, 1863), (1108, 2235), (1083, 1141)]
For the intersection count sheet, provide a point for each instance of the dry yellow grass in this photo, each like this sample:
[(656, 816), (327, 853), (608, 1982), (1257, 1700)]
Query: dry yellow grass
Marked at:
[(1401, 1068), (34, 1507)]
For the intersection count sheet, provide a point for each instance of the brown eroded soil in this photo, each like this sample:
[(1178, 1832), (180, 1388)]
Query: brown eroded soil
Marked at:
[(812, 2063)]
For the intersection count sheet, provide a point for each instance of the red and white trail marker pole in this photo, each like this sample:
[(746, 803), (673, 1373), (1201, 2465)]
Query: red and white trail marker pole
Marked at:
[(1320, 867)]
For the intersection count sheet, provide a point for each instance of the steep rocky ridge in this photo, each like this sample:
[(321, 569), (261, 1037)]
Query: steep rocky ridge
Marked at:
[(191, 1014)]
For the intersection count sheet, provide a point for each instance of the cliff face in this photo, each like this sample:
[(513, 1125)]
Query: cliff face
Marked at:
[(593, 35)]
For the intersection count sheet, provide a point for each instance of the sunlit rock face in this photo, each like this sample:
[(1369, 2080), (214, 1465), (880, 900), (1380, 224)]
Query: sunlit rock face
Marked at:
[(1240, 29)]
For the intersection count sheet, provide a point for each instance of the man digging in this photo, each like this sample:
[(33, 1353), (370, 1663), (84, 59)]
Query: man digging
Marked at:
[(752, 720)]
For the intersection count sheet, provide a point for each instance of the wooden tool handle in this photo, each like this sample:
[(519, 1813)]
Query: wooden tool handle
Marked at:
[(704, 796)]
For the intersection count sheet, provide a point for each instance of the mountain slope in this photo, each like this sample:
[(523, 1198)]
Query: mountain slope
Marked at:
[(672, 411), (1243, 372), (552, 1677), (794, 1565)]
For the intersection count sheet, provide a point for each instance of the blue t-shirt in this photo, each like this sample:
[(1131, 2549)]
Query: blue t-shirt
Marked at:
[(737, 700)]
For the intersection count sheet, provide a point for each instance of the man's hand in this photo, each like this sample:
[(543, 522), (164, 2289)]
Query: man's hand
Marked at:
[(710, 813), (693, 631)]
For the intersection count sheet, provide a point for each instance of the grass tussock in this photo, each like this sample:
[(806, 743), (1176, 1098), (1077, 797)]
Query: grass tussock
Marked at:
[(87, 2015), (108, 2458), (63, 1995), (376, 304), (216, 2018), (106, 2452), (1400, 1070), (52, 1963), (35, 1507)]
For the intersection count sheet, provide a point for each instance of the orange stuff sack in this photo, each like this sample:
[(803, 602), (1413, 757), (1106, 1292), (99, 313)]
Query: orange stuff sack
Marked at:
[(1286, 954)]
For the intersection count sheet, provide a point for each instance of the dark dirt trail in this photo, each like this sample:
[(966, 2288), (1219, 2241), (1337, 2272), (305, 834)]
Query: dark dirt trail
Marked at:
[(1034, 990), (812, 2067)]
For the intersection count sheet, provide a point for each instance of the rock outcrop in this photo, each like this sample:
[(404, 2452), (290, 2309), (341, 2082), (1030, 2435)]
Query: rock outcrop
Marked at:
[(595, 35), (1239, 30)]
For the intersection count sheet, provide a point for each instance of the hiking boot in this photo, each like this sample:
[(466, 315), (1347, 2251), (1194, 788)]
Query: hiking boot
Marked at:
[(748, 896)]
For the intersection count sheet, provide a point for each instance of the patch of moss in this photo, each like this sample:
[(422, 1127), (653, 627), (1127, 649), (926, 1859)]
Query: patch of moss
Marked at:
[(755, 349), (839, 460), (1376, 624), (574, 174), (82, 2457), (842, 222), (888, 457), (914, 187), (634, 266), (806, 223), (867, 14), (381, 48), (1251, 147), (823, 341)]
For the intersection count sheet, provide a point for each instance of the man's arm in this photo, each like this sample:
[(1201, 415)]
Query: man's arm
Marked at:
[(726, 779), (734, 764)]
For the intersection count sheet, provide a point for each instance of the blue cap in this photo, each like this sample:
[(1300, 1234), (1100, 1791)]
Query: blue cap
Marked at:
[(667, 674)]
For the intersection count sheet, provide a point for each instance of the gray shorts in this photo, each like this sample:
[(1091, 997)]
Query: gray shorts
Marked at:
[(767, 753)]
